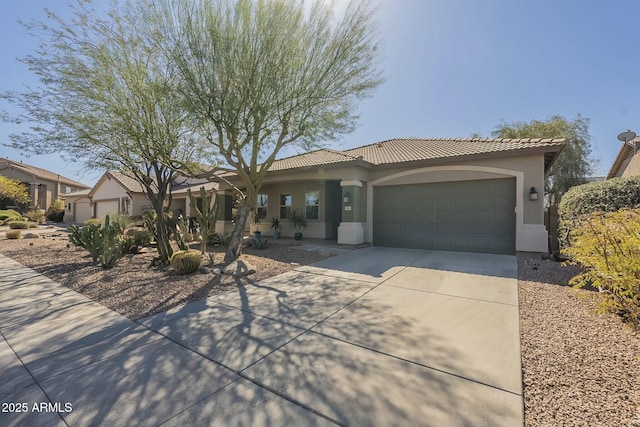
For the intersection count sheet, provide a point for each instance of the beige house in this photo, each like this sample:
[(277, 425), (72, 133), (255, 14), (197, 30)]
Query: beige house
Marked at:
[(44, 186), (627, 162), (116, 192), (459, 194)]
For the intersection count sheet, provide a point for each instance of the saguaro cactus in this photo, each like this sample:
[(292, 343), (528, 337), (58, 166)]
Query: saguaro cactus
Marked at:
[(206, 216)]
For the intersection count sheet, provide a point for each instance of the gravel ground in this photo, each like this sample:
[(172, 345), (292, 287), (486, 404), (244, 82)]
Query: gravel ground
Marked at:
[(133, 288), (580, 368)]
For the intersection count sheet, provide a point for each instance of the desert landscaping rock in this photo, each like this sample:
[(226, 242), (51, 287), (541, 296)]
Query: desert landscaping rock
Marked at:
[(580, 368), (239, 268)]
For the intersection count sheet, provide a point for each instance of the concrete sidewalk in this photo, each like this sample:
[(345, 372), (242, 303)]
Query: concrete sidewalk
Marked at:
[(372, 337)]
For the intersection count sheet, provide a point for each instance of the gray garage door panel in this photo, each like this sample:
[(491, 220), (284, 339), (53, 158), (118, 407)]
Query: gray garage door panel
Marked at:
[(470, 216)]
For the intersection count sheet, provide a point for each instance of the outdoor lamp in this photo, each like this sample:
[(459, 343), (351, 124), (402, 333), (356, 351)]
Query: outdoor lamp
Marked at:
[(346, 197), (533, 194)]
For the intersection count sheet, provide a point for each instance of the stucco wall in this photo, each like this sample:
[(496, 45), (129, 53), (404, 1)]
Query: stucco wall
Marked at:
[(632, 166)]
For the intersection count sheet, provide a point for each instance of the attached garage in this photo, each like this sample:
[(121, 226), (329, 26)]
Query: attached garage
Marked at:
[(469, 216), (104, 207)]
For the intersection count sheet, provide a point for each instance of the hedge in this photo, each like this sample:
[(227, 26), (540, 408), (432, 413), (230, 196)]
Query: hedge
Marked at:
[(603, 196)]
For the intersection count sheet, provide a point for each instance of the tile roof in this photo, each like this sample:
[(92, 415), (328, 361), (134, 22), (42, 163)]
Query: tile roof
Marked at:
[(129, 183), (401, 150), (314, 158), (41, 173)]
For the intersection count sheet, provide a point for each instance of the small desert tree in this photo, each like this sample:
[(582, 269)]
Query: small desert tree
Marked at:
[(263, 75), (14, 190), (574, 163), (108, 98)]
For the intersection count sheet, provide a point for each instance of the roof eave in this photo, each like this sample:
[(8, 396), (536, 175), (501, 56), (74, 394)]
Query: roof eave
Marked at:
[(617, 163)]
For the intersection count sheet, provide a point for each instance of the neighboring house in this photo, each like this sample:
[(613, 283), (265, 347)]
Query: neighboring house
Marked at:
[(44, 186), (627, 162), (116, 192), (459, 194)]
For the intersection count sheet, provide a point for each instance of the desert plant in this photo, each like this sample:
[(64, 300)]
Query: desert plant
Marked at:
[(111, 242), (36, 215), (20, 225), (55, 212), (122, 221), (10, 213), (186, 262), (607, 245), (97, 221), (87, 237), (603, 196), (14, 234), (206, 216), (149, 219), (140, 237)]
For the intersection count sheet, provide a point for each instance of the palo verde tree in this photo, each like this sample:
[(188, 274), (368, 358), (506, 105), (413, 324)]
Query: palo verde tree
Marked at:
[(14, 190), (107, 98), (262, 75), (574, 163)]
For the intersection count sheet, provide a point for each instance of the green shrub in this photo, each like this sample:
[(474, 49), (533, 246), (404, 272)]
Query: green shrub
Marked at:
[(97, 221), (35, 215), (140, 237), (55, 212), (14, 234), (604, 196), (186, 262), (20, 225), (8, 221), (607, 245), (32, 225), (10, 213)]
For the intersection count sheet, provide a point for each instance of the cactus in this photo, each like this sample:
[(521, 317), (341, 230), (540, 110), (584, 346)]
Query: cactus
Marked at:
[(87, 237), (111, 244), (207, 216), (186, 262)]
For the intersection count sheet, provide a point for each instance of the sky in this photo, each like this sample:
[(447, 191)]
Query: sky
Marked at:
[(452, 68)]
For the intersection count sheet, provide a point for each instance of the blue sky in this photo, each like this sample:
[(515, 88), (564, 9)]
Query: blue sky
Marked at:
[(452, 68)]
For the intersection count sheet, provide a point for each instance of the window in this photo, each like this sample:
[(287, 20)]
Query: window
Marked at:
[(312, 200), (261, 206), (285, 206)]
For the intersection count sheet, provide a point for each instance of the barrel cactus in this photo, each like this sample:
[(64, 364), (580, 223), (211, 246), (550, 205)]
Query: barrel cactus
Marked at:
[(186, 262)]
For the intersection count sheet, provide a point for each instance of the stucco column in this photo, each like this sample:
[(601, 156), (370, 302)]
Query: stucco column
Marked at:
[(34, 193), (351, 229), (224, 223)]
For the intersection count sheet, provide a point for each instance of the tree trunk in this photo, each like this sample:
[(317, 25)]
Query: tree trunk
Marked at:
[(235, 244), (164, 236)]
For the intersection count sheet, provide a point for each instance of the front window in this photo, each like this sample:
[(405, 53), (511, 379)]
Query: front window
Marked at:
[(312, 201), (285, 206), (261, 206)]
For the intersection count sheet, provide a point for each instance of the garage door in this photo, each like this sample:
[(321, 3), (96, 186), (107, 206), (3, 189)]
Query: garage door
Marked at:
[(83, 211), (106, 207), (469, 216)]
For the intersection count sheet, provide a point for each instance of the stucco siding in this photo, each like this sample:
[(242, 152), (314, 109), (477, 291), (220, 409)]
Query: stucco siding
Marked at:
[(631, 167)]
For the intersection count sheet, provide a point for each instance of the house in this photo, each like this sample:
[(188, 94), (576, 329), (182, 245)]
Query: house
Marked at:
[(458, 194), (116, 192), (44, 186), (627, 162)]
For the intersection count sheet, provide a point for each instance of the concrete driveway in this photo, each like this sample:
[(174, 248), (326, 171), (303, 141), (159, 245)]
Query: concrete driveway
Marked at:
[(374, 337)]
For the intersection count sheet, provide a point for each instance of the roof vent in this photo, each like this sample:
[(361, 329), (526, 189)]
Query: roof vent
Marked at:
[(360, 158), (380, 144)]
